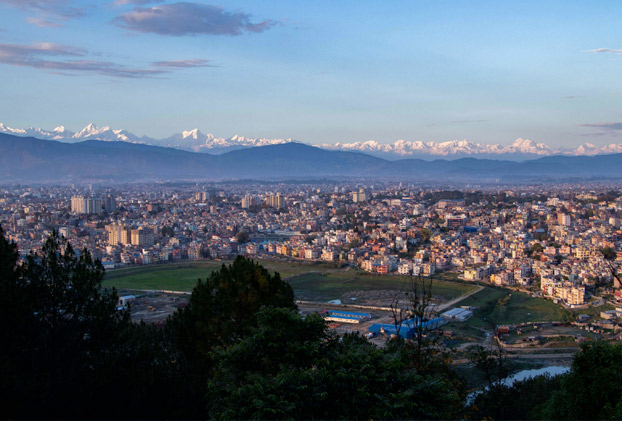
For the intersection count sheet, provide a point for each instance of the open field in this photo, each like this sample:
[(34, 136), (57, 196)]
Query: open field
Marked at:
[(322, 282), (310, 281), (365, 287), (497, 306), (183, 276), (173, 276)]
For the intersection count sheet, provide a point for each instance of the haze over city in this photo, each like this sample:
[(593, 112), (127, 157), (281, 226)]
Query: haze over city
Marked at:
[(320, 73)]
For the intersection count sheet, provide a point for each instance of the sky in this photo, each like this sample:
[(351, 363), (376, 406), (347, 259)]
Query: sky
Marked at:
[(318, 71)]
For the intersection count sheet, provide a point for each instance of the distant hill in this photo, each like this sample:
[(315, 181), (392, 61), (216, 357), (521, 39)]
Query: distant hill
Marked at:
[(196, 141), (25, 159)]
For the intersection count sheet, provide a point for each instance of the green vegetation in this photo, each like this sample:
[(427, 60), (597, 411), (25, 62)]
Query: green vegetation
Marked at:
[(498, 306), (329, 286), (239, 350), (311, 281), (591, 390), (183, 276), (173, 276)]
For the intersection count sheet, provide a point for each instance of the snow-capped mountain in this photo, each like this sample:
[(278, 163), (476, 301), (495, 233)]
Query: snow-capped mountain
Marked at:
[(58, 133), (522, 148), (190, 140), (197, 141)]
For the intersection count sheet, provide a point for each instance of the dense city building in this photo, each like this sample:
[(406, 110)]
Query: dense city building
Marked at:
[(546, 241)]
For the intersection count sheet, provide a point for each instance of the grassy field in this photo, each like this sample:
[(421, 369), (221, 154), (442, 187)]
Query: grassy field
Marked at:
[(174, 276), (314, 281), (322, 282), (183, 276), (497, 306), (317, 286)]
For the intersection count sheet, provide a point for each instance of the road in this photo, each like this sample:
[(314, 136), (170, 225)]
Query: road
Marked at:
[(453, 302)]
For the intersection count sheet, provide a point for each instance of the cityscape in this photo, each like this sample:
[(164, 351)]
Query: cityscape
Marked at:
[(310, 210), (549, 241)]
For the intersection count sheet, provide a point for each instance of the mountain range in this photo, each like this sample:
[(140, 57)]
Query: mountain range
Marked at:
[(189, 140), (28, 159), (196, 141)]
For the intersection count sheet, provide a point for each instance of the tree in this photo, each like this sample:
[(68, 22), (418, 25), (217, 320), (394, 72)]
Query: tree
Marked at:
[(593, 388), (67, 323), (222, 307), (425, 234), (412, 308), (16, 333), (167, 231), (521, 400), (242, 237), (292, 367), (609, 253), (220, 312), (494, 366)]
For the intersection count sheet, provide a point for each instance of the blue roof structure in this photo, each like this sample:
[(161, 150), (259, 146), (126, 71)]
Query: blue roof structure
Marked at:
[(339, 313), (408, 328)]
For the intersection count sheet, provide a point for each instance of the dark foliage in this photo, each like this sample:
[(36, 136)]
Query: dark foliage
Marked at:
[(240, 350), (593, 388), (56, 324), (290, 367)]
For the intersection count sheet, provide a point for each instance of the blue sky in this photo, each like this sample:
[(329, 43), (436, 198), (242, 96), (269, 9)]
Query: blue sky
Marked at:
[(319, 72)]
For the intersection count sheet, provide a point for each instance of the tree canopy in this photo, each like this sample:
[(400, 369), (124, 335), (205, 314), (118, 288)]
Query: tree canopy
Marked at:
[(240, 349)]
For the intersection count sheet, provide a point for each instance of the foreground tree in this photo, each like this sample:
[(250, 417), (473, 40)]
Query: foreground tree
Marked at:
[(221, 310), (17, 338), (222, 307), (65, 321), (494, 367), (593, 388), (522, 400), (290, 367), (413, 309)]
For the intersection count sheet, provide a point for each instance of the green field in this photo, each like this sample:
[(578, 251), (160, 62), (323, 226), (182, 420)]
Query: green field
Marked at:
[(497, 306), (316, 286), (174, 276), (311, 281), (323, 282)]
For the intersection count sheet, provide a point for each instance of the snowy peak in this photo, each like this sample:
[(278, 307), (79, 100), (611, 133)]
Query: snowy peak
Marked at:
[(87, 131), (194, 134), (529, 146), (520, 148), (189, 140), (195, 140)]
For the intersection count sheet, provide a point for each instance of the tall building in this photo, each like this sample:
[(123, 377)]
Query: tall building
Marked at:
[(200, 196), (93, 205), (126, 236), (118, 234), (90, 205), (249, 201), (110, 204), (563, 219), (78, 204), (142, 237), (275, 201), (359, 196)]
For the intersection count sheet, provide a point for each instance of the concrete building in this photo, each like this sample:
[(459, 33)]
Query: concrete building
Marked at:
[(275, 201), (359, 196), (142, 237)]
